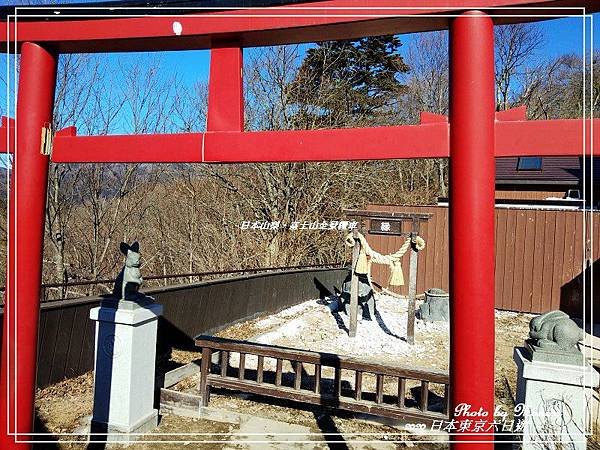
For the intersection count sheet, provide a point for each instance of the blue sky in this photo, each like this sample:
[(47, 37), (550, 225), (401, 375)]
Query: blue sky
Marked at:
[(562, 36), (566, 35)]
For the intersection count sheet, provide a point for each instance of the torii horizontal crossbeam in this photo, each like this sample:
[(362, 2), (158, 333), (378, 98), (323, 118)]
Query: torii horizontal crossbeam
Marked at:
[(514, 137), (298, 23), (519, 138), (7, 127)]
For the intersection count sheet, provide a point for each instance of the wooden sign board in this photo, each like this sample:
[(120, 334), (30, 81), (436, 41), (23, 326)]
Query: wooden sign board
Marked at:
[(385, 226)]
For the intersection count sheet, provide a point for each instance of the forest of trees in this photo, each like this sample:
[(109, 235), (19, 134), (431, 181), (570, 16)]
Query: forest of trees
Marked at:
[(187, 217)]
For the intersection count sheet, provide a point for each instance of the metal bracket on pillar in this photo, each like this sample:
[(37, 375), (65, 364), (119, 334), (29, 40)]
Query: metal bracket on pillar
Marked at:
[(46, 140)]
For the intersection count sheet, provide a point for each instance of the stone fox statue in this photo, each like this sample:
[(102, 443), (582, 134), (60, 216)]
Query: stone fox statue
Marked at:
[(129, 280), (555, 329)]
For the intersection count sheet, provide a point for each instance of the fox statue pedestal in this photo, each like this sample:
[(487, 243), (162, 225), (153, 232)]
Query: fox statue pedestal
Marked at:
[(554, 385), (124, 369)]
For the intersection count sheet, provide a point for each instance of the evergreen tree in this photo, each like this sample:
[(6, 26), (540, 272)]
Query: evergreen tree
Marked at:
[(348, 83)]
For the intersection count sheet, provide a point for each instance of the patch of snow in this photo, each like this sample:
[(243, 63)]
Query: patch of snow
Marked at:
[(392, 303), (301, 308), (268, 322), (286, 330), (316, 325), (512, 314), (432, 326)]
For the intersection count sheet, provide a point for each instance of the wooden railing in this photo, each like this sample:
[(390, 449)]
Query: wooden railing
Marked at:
[(323, 379)]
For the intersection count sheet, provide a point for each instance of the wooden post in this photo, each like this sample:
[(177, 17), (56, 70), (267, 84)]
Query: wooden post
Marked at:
[(358, 386), (317, 387), (260, 369), (354, 286), (401, 392), (424, 395), (278, 370), (204, 388), (412, 286)]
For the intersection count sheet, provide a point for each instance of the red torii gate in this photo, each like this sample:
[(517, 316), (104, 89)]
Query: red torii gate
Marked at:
[(472, 139)]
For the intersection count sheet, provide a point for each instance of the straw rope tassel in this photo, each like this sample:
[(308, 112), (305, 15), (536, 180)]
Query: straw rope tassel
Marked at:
[(362, 265), (396, 275)]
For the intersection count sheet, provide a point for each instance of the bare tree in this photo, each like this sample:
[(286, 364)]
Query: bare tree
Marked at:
[(189, 107), (555, 89), (91, 206), (427, 80), (148, 97), (76, 77), (428, 90), (516, 45)]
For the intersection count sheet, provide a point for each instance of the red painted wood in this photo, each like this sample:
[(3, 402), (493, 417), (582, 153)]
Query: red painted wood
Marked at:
[(430, 140), (7, 128), (34, 110), (518, 113), (560, 137), (424, 141), (472, 174), (225, 90), (306, 22), (157, 148), (427, 117), (68, 131), (427, 141)]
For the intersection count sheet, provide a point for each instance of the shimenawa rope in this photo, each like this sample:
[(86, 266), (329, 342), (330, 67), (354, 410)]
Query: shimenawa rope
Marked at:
[(367, 256)]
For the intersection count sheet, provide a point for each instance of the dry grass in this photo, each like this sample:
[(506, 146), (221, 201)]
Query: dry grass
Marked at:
[(511, 330), (62, 406)]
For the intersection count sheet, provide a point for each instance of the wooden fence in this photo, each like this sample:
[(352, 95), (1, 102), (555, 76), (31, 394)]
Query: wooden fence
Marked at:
[(318, 378), (539, 256)]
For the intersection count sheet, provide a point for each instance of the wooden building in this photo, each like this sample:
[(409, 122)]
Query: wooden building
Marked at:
[(544, 180)]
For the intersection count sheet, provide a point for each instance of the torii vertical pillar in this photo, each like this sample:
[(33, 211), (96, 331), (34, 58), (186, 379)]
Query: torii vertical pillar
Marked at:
[(35, 101), (226, 88), (472, 183)]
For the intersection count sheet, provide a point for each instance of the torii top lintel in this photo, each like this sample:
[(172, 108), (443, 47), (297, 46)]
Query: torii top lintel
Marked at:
[(149, 29)]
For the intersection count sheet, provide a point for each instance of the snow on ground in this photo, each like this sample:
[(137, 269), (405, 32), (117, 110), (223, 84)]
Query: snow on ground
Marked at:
[(317, 326)]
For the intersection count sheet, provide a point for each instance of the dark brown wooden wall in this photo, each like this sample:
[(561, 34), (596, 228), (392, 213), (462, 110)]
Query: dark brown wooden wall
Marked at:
[(517, 193), (539, 256), (66, 338)]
